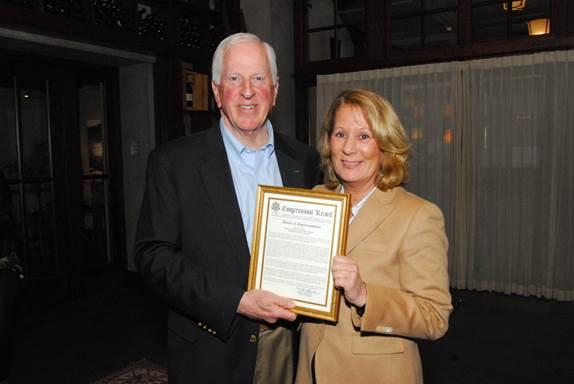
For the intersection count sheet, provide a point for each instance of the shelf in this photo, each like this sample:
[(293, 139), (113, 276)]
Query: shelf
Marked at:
[(195, 91)]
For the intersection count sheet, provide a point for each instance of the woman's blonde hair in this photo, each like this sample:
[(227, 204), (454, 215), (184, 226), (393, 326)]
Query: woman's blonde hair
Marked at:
[(387, 130)]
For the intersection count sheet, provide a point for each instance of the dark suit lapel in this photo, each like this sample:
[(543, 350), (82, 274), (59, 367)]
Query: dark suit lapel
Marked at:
[(373, 213), (292, 170), (216, 175)]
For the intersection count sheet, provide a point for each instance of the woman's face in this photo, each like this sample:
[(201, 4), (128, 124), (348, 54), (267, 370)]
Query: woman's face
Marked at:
[(354, 152)]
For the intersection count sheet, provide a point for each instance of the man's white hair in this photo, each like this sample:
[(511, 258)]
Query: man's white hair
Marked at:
[(237, 38)]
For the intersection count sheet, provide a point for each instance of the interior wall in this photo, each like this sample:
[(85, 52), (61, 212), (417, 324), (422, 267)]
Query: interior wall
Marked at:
[(273, 22), (138, 139)]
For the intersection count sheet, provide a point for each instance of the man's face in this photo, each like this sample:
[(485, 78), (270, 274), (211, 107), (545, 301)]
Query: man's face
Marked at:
[(245, 94)]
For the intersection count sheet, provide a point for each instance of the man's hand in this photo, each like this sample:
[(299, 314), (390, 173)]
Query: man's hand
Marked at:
[(264, 305)]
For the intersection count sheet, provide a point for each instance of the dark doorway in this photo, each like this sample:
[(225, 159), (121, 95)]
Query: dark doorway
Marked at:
[(59, 151)]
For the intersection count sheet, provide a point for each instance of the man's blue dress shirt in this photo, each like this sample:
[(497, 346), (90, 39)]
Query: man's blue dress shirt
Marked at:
[(249, 168)]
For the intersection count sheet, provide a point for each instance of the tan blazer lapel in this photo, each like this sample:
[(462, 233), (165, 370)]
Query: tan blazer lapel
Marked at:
[(373, 213)]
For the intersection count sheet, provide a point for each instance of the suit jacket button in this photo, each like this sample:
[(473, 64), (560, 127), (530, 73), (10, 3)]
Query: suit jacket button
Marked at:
[(252, 339)]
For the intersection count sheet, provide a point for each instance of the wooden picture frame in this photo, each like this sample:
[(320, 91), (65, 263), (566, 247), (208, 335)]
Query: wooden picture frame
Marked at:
[(296, 234)]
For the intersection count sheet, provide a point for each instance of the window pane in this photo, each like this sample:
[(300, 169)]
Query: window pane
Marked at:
[(519, 25), (440, 29), (489, 22), (8, 143), (12, 209), (351, 12), (406, 33), (405, 7), (95, 241), (95, 187), (320, 13), (35, 134), (537, 8), (8, 211), (436, 4), (39, 221), (352, 41), (92, 130), (411, 7), (321, 45)]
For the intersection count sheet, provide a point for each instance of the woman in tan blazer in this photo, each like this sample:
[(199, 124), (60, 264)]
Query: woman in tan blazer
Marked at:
[(394, 277)]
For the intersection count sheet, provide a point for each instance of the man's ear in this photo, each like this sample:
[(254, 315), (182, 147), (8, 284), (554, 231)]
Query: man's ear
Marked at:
[(215, 89)]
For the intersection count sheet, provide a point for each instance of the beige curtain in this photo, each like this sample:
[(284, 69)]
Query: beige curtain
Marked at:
[(493, 145)]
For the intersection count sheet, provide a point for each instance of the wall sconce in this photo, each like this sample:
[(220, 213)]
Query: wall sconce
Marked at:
[(517, 5), (539, 27), (447, 136)]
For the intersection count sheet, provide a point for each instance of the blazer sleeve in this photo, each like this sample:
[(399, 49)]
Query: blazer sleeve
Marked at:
[(186, 286), (420, 308)]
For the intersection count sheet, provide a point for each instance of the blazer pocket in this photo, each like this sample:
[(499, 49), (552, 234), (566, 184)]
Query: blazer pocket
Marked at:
[(376, 345)]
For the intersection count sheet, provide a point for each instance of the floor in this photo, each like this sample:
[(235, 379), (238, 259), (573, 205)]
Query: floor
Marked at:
[(493, 338), (496, 338), (115, 323)]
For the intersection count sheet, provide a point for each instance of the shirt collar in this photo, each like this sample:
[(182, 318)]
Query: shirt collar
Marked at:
[(357, 207), (234, 144)]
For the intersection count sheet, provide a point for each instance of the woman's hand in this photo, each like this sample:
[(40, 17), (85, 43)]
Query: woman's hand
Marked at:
[(347, 277)]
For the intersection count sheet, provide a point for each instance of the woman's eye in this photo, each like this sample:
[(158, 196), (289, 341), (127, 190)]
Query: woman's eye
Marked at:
[(339, 134), (364, 136)]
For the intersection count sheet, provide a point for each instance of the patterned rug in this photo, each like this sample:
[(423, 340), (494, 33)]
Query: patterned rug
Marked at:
[(139, 372)]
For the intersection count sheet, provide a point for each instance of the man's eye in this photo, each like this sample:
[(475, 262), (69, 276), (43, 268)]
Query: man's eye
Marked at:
[(258, 78)]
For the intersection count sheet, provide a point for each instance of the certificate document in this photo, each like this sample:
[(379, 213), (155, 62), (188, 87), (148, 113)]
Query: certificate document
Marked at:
[(297, 232)]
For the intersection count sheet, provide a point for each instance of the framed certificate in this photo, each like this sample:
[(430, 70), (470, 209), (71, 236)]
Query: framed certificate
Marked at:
[(296, 234)]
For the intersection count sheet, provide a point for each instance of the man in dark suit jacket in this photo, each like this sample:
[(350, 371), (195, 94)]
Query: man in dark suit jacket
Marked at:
[(193, 237)]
